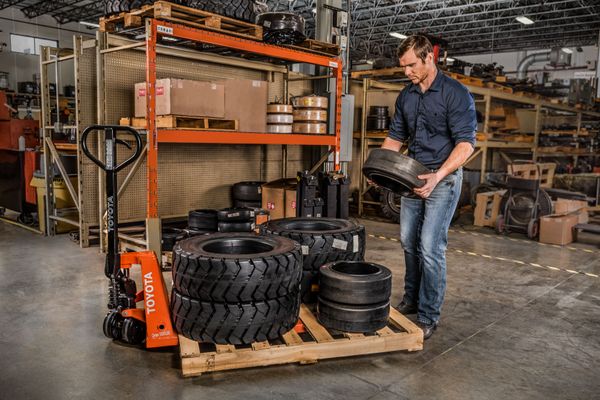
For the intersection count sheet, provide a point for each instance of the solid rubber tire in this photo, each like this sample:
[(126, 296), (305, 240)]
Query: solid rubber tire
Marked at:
[(236, 214), (235, 323), (355, 282), (321, 246), (202, 273), (390, 205), (353, 318), (394, 171), (247, 191), (204, 220), (247, 204), (226, 227)]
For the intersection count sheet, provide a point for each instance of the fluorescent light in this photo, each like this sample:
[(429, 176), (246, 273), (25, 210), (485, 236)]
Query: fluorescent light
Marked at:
[(90, 24), (567, 50), (450, 59), (398, 35), (524, 20)]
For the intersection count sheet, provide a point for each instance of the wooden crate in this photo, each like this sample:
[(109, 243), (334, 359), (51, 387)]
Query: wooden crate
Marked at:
[(487, 208), (400, 334), (183, 122), (542, 171), (496, 86), (163, 10)]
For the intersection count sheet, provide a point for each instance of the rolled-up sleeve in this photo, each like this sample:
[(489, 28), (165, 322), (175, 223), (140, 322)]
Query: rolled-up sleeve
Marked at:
[(462, 117), (398, 129)]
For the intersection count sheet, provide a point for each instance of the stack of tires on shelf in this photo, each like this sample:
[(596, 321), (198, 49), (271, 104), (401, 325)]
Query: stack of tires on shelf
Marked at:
[(238, 288), (237, 219)]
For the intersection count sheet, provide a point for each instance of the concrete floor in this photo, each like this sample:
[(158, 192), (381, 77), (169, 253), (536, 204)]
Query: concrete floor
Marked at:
[(509, 329)]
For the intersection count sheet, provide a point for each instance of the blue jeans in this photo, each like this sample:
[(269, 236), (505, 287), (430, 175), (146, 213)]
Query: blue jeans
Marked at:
[(424, 227)]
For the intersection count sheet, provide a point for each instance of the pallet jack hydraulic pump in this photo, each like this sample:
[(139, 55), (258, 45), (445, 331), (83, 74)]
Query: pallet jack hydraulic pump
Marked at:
[(125, 322)]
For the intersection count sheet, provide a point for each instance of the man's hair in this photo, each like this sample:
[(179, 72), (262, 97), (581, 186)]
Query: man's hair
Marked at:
[(420, 44)]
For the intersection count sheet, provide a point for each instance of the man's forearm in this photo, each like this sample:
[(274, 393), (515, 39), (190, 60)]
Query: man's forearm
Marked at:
[(457, 158), (391, 144)]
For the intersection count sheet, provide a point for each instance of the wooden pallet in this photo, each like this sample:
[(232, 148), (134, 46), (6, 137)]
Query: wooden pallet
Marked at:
[(542, 171), (308, 348), (320, 47), (496, 86), (183, 122), (487, 208), (566, 132), (466, 80), (163, 10)]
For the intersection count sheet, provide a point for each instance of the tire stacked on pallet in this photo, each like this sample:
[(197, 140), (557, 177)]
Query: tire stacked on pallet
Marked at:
[(323, 240), (354, 296), (280, 118), (236, 288), (310, 115), (237, 219), (247, 194), (201, 222)]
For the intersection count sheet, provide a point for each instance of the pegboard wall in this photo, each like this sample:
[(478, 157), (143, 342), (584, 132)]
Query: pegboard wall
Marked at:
[(190, 175)]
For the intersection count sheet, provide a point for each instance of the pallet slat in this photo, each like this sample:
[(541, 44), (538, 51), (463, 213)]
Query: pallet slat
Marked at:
[(296, 350), (183, 122)]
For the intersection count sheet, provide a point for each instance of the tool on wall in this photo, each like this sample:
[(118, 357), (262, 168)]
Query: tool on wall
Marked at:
[(124, 321)]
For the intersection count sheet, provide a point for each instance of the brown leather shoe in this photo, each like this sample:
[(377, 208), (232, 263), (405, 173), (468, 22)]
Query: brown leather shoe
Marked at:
[(428, 329), (406, 309)]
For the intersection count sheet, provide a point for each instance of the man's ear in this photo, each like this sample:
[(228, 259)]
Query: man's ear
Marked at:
[(429, 58)]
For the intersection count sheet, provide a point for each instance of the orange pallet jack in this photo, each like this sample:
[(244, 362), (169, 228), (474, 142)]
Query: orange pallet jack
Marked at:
[(125, 322)]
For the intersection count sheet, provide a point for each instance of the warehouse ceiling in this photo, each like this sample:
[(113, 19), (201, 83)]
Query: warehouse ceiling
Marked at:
[(468, 26)]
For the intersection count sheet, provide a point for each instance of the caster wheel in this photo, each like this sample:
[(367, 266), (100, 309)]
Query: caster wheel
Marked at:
[(133, 331), (500, 224), (112, 325), (533, 229)]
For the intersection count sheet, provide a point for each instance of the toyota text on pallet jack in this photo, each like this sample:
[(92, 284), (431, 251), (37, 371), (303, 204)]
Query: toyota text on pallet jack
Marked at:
[(124, 321)]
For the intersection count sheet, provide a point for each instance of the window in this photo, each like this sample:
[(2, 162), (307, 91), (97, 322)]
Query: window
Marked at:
[(28, 44)]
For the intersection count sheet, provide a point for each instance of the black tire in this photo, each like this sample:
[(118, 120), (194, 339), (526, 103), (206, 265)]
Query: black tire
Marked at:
[(225, 227), (390, 205), (355, 282), (247, 191), (197, 232), (170, 236), (247, 204), (240, 323), (309, 287), (203, 220), (353, 318), (117, 6), (233, 268), (236, 214), (394, 171), (322, 239), (245, 10)]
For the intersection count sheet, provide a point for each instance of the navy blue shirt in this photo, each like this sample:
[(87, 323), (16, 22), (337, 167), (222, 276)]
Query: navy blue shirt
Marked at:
[(435, 121)]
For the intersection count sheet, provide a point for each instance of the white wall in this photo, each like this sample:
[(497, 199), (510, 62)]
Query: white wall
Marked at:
[(21, 67), (510, 61)]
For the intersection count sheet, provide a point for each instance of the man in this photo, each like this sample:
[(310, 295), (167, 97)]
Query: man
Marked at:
[(435, 115)]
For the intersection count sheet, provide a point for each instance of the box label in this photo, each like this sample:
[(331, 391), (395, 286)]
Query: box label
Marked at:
[(355, 244), (270, 206), (333, 64), (160, 90), (142, 92), (294, 204), (164, 29), (339, 244), (305, 250)]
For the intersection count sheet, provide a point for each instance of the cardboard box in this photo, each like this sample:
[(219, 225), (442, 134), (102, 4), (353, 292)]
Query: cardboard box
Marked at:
[(290, 201), (578, 207), (557, 229), (183, 97), (246, 101), (274, 197)]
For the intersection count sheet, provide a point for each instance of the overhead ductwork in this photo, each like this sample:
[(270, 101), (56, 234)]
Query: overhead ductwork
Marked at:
[(529, 60)]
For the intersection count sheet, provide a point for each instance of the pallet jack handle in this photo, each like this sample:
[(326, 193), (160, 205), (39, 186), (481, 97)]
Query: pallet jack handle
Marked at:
[(111, 167)]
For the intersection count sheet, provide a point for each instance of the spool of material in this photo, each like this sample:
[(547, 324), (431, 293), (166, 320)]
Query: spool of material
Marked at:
[(310, 115), (311, 129), (310, 102), (279, 128), (279, 109), (381, 111), (377, 123), (280, 119)]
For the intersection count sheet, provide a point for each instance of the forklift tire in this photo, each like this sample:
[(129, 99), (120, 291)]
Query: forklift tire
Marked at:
[(309, 287), (390, 205), (355, 282), (112, 325), (133, 332), (236, 214), (234, 268), (323, 240), (247, 191), (170, 236), (394, 171), (203, 220), (234, 323), (228, 227), (353, 318), (247, 204)]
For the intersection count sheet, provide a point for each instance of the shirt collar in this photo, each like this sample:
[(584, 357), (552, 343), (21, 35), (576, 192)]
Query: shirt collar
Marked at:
[(435, 86)]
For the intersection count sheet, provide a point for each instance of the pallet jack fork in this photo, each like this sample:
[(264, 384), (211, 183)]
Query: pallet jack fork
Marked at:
[(125, 322)]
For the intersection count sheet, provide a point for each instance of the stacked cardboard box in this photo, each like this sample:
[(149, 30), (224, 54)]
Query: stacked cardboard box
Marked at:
[(558, 227)]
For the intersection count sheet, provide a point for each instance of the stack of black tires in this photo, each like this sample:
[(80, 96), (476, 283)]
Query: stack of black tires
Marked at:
[(247, 194), (354, 296), (236, 219), (323, 240), (236, 288), (202, 221)]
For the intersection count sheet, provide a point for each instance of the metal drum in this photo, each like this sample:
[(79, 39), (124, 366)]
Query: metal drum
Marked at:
[(312, 101), (303, 115), (310, 129)]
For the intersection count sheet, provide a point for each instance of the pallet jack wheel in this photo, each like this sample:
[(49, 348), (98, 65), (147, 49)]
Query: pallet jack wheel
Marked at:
[(112, 325), (533, 228), (500, 224), (133, 331)]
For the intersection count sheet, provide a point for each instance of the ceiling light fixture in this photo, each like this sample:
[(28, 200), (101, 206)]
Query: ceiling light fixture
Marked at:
[(524, 20), (398, 35), (90, 24)]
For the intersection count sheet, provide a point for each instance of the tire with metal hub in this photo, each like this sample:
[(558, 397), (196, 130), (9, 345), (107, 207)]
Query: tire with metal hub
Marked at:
[(282, 27), (236, 268), (133, 331), (113, 322), (353, 318), (234, 323), (355, 282), (394, 171), (390, 205), (323, 240), (247, 191)]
